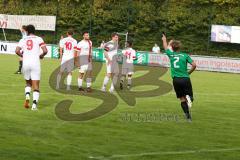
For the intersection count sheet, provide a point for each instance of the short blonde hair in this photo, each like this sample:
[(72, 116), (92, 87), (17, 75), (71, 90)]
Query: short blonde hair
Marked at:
[(176, 45)]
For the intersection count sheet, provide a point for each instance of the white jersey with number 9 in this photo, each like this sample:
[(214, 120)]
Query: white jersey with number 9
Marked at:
[(31, 46)]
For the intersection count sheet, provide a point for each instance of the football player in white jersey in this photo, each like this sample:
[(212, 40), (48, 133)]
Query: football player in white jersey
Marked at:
[(84, 52), (110, 53), (31, 45), (67, 47), (129, 55)]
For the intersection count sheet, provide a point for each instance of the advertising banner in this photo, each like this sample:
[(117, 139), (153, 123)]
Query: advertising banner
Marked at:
[(228, 34), (10, 47), (204, 63), (47, 23)]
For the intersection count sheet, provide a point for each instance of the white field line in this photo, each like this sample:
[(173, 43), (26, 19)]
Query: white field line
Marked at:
[(163, 153)]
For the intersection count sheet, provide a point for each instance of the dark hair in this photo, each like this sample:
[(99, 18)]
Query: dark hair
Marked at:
[(129, 43), (176, 45), (114, 34), (70, 32), (24, 27), (85, 32), (30, 29)]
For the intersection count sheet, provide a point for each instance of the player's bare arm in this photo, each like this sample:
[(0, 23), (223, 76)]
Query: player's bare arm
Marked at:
[(18, 52), (169, 43), (45, 51), (76, 58), (90, 58), (194, 66), (165, 44), (61, 53)]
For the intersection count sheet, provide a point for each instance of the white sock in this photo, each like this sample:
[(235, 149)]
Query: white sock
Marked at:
[(27, 92), (80, 81), (105, 81), (36, 95), (27, 89), (89, 82), (112, 86), (129, 81), (69, 80), (114, 82), (59, 76)]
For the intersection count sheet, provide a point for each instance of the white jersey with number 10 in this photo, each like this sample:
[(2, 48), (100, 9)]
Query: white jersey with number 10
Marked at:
[(68, 44)]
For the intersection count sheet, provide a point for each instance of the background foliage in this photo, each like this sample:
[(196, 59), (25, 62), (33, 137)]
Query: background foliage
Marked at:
[(186, 20)]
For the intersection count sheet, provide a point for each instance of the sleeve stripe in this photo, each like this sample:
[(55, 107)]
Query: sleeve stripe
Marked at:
[(76, 48), (42, 44), (106, 48)]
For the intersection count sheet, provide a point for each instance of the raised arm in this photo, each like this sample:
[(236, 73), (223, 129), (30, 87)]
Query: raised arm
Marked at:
[(164, 40)]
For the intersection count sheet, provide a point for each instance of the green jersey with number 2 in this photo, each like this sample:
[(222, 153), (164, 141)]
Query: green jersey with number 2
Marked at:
[(178, 62)]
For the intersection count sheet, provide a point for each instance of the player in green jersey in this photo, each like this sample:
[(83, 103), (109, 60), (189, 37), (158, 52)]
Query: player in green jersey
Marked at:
[(180, 73)]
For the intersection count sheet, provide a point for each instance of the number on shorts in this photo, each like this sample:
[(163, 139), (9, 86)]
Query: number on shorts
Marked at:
[(68, 46), (29, 44), (175, 62)]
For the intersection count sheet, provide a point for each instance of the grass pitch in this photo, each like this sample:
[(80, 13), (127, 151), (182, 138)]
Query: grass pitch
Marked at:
[(214, 133)]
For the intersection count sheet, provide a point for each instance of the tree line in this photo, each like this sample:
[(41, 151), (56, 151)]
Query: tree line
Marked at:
[(186, 20)]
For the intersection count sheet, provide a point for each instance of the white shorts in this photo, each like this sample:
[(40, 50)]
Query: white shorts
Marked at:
[(127, 71), (112, 68), (85, 67), (31, 72), (67, 65)]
